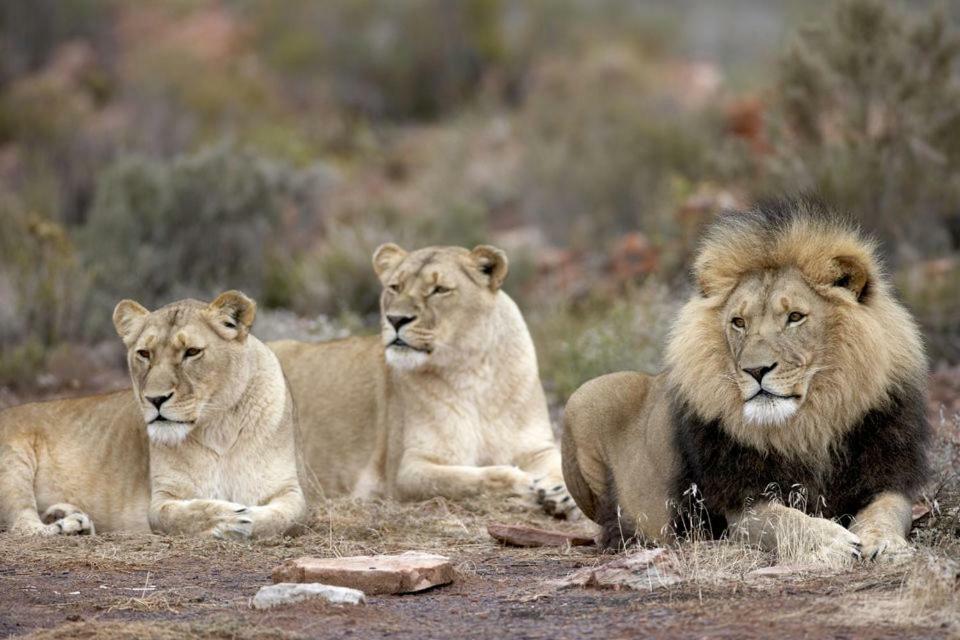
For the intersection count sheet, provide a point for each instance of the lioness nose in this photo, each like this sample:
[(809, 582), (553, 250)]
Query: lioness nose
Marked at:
[(157, 401), (757, 373), (399, 321)]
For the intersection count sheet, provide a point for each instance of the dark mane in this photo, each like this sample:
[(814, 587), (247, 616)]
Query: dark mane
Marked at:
[(885, 451)]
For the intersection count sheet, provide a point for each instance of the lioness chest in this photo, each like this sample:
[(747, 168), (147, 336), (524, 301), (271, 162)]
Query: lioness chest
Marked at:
[(468, 427), (240, 473)]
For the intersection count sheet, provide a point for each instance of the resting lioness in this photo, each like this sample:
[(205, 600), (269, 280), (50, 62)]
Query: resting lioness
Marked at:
[(792, 370), (445, 402), (204, 445)]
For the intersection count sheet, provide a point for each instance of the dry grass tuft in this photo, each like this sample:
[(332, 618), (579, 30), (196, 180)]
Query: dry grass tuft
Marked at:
[(931, 590)]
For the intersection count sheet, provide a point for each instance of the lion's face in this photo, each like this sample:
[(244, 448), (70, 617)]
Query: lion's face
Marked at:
[(794, 333), (187, 360), (774, 325), (435, 302)]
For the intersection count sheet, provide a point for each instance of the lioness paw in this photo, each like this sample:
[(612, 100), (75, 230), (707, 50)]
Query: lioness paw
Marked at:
[(509, 480), (237, 525), (554, 499), (67, 520)]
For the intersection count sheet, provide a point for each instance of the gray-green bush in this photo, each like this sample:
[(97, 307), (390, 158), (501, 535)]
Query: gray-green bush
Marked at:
[(161, 230), (867, 118)]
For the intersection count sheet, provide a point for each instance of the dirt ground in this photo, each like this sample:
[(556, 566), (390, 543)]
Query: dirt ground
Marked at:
[(144, 586)]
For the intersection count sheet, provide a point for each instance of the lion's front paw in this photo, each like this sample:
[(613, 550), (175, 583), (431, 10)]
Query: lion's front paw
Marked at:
[(885, 548), (555, 500), (68, 520), (830, 543)]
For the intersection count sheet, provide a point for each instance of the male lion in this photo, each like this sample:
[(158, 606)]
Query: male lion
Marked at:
[(794, 371), (445, 402), (204, 445)]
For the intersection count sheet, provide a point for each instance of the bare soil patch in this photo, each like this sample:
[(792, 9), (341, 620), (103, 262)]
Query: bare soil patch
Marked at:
[(144, 586)]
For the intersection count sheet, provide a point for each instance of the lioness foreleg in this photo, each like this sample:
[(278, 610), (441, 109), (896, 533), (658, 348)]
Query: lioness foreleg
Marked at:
[(419, 479), (793, 534), (284, 510), (883, 526), (215, 518)]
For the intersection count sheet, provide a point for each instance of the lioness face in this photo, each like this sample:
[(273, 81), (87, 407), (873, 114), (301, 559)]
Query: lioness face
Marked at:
[(187, 360), (774, 323), (435, 302)]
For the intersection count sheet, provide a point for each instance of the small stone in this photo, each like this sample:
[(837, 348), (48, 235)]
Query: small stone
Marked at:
[(289, 593), (519, 536), (642, 571), (405, 573)]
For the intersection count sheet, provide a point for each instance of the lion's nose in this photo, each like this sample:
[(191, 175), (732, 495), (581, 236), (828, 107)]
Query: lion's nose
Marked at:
[(158, 401), (757, 373), (399, 321)]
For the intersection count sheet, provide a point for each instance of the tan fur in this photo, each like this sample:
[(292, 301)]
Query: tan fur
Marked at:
[(864, 347), (454, 408), (224, 464), (619, 426)]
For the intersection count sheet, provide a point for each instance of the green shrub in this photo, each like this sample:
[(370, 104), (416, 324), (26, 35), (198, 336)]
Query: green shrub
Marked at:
[(161, 230), (867, 117), (20, 363), (603, 149), (384, 59), (42, 287), (932, 291), (338, 276), (48, 285), (578, 343)]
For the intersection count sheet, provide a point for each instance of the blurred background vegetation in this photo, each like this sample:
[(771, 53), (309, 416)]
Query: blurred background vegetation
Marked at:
[(162, 150)]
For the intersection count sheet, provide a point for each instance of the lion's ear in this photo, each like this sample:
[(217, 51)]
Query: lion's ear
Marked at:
[(851, 273), (128, 318), (386, 257), (232, 314), (492, 263)]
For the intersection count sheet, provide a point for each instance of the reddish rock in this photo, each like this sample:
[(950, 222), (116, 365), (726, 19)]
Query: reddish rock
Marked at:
[(404, 573), (518, 536), (641, 571)]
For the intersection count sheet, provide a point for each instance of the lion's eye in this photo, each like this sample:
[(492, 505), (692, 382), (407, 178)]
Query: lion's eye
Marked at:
[(795, 317), (739, 323), (143, 353), (395, 288), (439, 290), (192, 352)]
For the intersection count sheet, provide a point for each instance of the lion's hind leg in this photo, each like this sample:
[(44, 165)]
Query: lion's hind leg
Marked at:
[(18, 501)]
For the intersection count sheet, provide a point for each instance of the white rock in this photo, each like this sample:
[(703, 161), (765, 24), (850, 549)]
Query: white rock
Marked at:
[(290, 592)]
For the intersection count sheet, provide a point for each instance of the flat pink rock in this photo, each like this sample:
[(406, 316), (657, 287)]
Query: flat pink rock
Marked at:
[(521, 536), (405, 573)]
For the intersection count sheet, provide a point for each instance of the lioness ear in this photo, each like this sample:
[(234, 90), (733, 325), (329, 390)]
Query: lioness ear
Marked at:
[(386, 257), (128, 317), (851, 273), (232, 315), (492, 263)]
